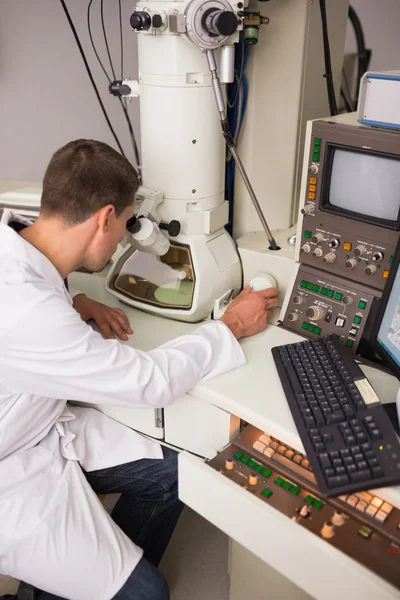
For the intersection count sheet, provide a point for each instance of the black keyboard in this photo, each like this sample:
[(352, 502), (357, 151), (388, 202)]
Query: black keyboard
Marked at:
[(347, 435)]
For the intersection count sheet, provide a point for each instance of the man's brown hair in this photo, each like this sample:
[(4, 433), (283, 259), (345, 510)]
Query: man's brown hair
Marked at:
[(83, 177)]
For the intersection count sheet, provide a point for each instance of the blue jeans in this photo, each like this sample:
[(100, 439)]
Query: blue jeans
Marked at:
[(147, 511)]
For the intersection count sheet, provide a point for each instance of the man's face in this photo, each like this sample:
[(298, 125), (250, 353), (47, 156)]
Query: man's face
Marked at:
[(107, 242)]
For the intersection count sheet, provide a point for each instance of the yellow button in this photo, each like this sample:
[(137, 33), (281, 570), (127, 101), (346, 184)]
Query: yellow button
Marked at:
[(311, 196), (347, 246), (386, 274), (312, 188), (313, 180)]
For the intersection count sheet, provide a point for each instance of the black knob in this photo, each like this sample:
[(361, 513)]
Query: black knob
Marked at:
[(173, 228), (140, 21), (219, 22), (157, 21), (226, 22)]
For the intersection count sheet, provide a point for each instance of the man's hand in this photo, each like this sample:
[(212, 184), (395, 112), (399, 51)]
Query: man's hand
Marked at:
[(107, 319), (248, 313)]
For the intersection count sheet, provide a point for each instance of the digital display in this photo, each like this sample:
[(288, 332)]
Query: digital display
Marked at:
[(389, 331), (365, 184)]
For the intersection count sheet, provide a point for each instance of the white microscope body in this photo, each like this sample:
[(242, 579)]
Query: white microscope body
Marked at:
[(183, 154)]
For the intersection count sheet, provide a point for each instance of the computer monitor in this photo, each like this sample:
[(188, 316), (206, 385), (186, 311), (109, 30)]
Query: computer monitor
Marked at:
[(362, 185), (387, 328)]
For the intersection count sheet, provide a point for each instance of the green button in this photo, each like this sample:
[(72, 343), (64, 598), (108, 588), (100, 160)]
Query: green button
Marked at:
[(305, 325), (323, 291), (303, 283), (318, 504), (329, 293), (252, 464), (317, 141), (279, 481), (365, 531), (311, 328), (338, 296), (309, 500), (391, 259), (315, 288), (245, 459), (309, 286), (287, 485), (362, 304), (315, 157), (357, 320), (316, 150), (237, 455), (266, 493), (317, 330), (259, 468), (308, 234), (349, 343), (267, 473), (295, 490)]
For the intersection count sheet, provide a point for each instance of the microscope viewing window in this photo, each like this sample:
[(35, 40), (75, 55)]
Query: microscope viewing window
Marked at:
[(362, 185)]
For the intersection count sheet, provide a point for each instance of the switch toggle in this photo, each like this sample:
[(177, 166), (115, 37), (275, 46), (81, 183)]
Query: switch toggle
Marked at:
[(340, 322)]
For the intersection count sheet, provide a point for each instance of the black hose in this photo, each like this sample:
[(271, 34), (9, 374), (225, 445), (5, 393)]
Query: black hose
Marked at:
[(328, 65), (364, 55)]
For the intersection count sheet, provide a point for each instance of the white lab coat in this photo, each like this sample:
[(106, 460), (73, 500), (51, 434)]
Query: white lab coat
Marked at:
[(54, 533)]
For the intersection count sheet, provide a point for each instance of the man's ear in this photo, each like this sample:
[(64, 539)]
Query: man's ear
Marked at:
[(106, 215)]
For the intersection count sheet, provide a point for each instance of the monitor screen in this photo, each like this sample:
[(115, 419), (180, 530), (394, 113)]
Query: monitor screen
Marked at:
[(388, 336), (365, 184)]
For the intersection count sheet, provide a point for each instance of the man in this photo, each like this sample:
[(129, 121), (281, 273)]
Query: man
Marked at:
[(54, 457)]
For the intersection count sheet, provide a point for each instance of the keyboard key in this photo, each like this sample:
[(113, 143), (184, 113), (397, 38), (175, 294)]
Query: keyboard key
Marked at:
[(365, 496), (360, 476), (369, 454), (352, 500), (351, 468), (319, 448), (282, 450), (340, 471), (329, 472), (358, 457), (371, 510), (338, 480), (290, 454), (297, 459), (350, 440), (366, 447), (324, 460), (362, 465), (309, 422), (377, 502), (381, 516), (333, 454), (348, 460), (337, 462), (327, 437), (387, 508), (344, 453), (376, 434), (361, 506), (373, 462)]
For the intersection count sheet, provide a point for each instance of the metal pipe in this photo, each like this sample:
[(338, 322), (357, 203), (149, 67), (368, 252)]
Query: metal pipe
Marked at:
[(232, 146)]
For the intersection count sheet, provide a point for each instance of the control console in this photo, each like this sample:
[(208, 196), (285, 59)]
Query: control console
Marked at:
[(361, 525)]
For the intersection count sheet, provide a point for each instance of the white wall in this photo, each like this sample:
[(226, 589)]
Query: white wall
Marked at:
[(46, 98), (381, 23)]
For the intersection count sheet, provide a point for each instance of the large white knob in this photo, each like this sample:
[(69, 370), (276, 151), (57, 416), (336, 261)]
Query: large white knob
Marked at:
[(229, 464), (313, 169), (262, 281), (317, 252), (305, 249), (307, 209), (360, 250), (351, 263), (315, 313), (338, 518), (292, 317), (370, 270), (329, 258), (327, 531), (317, 237)]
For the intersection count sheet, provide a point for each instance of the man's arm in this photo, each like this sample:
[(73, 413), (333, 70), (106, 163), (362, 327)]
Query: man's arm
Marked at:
[(51, 352)]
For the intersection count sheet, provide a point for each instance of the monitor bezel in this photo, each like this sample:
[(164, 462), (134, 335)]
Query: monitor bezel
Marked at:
[(326, 206), (377, 347)]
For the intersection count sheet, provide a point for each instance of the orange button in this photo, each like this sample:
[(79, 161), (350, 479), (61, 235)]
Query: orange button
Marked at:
[(347, 246), (313, 180), (386, 274), (312, 188), (311, 196)]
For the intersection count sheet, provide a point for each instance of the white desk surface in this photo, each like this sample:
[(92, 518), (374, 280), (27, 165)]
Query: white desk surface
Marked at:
[(252, 392)]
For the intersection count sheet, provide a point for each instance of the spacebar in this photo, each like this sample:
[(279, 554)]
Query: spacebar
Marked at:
[(294, 467)]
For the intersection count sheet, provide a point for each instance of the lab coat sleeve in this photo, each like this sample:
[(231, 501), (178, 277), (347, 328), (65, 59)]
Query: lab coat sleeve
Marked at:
[(51, 352)]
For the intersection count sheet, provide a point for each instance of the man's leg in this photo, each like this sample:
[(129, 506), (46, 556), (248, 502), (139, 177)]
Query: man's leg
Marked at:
[(145, 583), (148, 509)]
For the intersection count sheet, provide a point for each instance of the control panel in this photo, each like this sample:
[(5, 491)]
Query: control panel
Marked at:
[(361, 525), (354, 245), (323, 304), (343, 253)]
